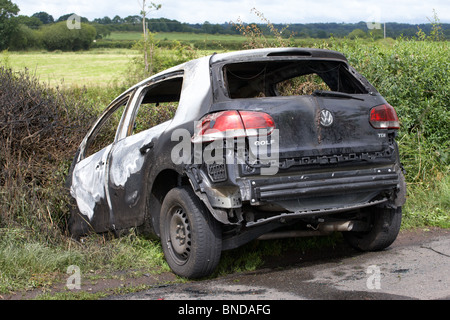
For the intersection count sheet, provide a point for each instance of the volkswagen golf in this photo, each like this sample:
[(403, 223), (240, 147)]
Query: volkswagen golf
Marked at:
[(233, 147)]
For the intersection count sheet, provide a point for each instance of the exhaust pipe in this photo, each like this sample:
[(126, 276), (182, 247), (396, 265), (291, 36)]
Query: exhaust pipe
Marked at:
[(324, 229), (341, 226)]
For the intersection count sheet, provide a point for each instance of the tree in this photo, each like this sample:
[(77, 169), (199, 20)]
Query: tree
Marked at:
[(30, 22), (104, 20), (133, 19), (117, 20), (25, 38), (102, 30), (44, 17), (8, 25), (58, 37), (357, 33), (147, 48), (67, 16), (321, 34)]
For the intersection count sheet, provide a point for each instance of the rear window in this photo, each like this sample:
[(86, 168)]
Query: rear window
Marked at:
[(288, 78)]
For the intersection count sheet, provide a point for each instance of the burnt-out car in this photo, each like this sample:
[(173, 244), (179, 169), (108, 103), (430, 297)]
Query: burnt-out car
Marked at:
[(261, 144)]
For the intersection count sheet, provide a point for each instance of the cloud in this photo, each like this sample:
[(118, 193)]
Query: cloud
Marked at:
[(219, 11)]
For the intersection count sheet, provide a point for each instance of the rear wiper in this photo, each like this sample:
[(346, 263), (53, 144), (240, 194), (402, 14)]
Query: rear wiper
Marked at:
[(335, 94)]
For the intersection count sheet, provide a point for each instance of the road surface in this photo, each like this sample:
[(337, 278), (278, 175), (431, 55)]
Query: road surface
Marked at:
[(416, 266)]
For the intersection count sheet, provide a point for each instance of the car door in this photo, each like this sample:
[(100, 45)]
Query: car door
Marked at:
[(88, 185), (130, 160)]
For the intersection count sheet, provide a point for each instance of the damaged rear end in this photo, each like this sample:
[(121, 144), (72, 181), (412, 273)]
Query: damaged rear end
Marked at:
[(297, 137)]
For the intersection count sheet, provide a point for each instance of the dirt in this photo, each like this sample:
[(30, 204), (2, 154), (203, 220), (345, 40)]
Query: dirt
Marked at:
[(126, 281)]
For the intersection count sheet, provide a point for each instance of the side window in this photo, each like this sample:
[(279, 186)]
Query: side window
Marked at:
[(158, 104), (152, 114), (105, 132)]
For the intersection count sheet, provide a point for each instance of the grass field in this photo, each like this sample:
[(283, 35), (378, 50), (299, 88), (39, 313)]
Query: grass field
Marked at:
[(101, 66), (171, 36), (96, 67)]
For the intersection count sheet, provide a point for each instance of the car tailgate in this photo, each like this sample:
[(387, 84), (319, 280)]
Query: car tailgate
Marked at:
[(318, 129)]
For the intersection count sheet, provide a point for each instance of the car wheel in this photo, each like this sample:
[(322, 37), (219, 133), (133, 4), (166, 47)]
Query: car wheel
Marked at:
[(190, 236), (385, 226)]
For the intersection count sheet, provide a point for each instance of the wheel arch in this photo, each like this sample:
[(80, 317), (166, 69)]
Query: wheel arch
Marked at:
[(165, 181)]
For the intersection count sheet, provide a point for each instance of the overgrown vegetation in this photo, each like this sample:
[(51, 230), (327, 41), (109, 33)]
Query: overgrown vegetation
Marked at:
[(158, 58), (41, 127)]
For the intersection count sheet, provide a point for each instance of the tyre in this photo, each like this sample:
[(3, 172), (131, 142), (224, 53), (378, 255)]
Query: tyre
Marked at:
[(385, 226), (190, 236)]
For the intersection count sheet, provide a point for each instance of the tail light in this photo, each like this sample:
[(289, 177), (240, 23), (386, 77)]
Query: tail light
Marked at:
[(384, 117), (232, 124)]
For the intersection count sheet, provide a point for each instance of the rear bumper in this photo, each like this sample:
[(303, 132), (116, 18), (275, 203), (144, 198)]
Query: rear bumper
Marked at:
[(323, 184), (260, 199)]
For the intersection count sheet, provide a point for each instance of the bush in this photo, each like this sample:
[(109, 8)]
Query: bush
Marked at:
[(40, 130), (25, 38), (59, 37), (414, 77)]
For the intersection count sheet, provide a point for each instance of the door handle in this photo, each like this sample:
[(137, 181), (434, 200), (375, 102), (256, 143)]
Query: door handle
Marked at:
[(146, 147)]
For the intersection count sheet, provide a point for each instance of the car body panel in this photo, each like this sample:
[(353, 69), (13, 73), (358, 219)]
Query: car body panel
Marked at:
[(88, 183)]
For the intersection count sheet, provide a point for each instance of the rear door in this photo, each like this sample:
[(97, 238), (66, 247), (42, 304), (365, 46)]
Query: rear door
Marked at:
[(130, 162), (89, 176)]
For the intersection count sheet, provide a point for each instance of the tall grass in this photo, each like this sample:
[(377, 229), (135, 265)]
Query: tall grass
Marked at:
[(27, 263)]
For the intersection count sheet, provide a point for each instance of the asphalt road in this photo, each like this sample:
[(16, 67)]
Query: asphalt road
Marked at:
[(416, 266)]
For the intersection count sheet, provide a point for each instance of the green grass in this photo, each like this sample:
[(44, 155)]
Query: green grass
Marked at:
[(86, 68), (171, 36), (124, 36), (428, 204), (26, 263)]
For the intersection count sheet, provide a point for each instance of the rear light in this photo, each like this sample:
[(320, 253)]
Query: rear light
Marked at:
[(256, 120), (384, 117), (232, 124)]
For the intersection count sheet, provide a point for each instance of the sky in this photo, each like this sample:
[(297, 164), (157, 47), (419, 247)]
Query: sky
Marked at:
[(220, 11)]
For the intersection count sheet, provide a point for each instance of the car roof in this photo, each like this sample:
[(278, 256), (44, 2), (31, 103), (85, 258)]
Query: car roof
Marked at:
[(255, 54)]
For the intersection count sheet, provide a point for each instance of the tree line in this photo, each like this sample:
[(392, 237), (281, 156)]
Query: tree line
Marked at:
[(42, 30)]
